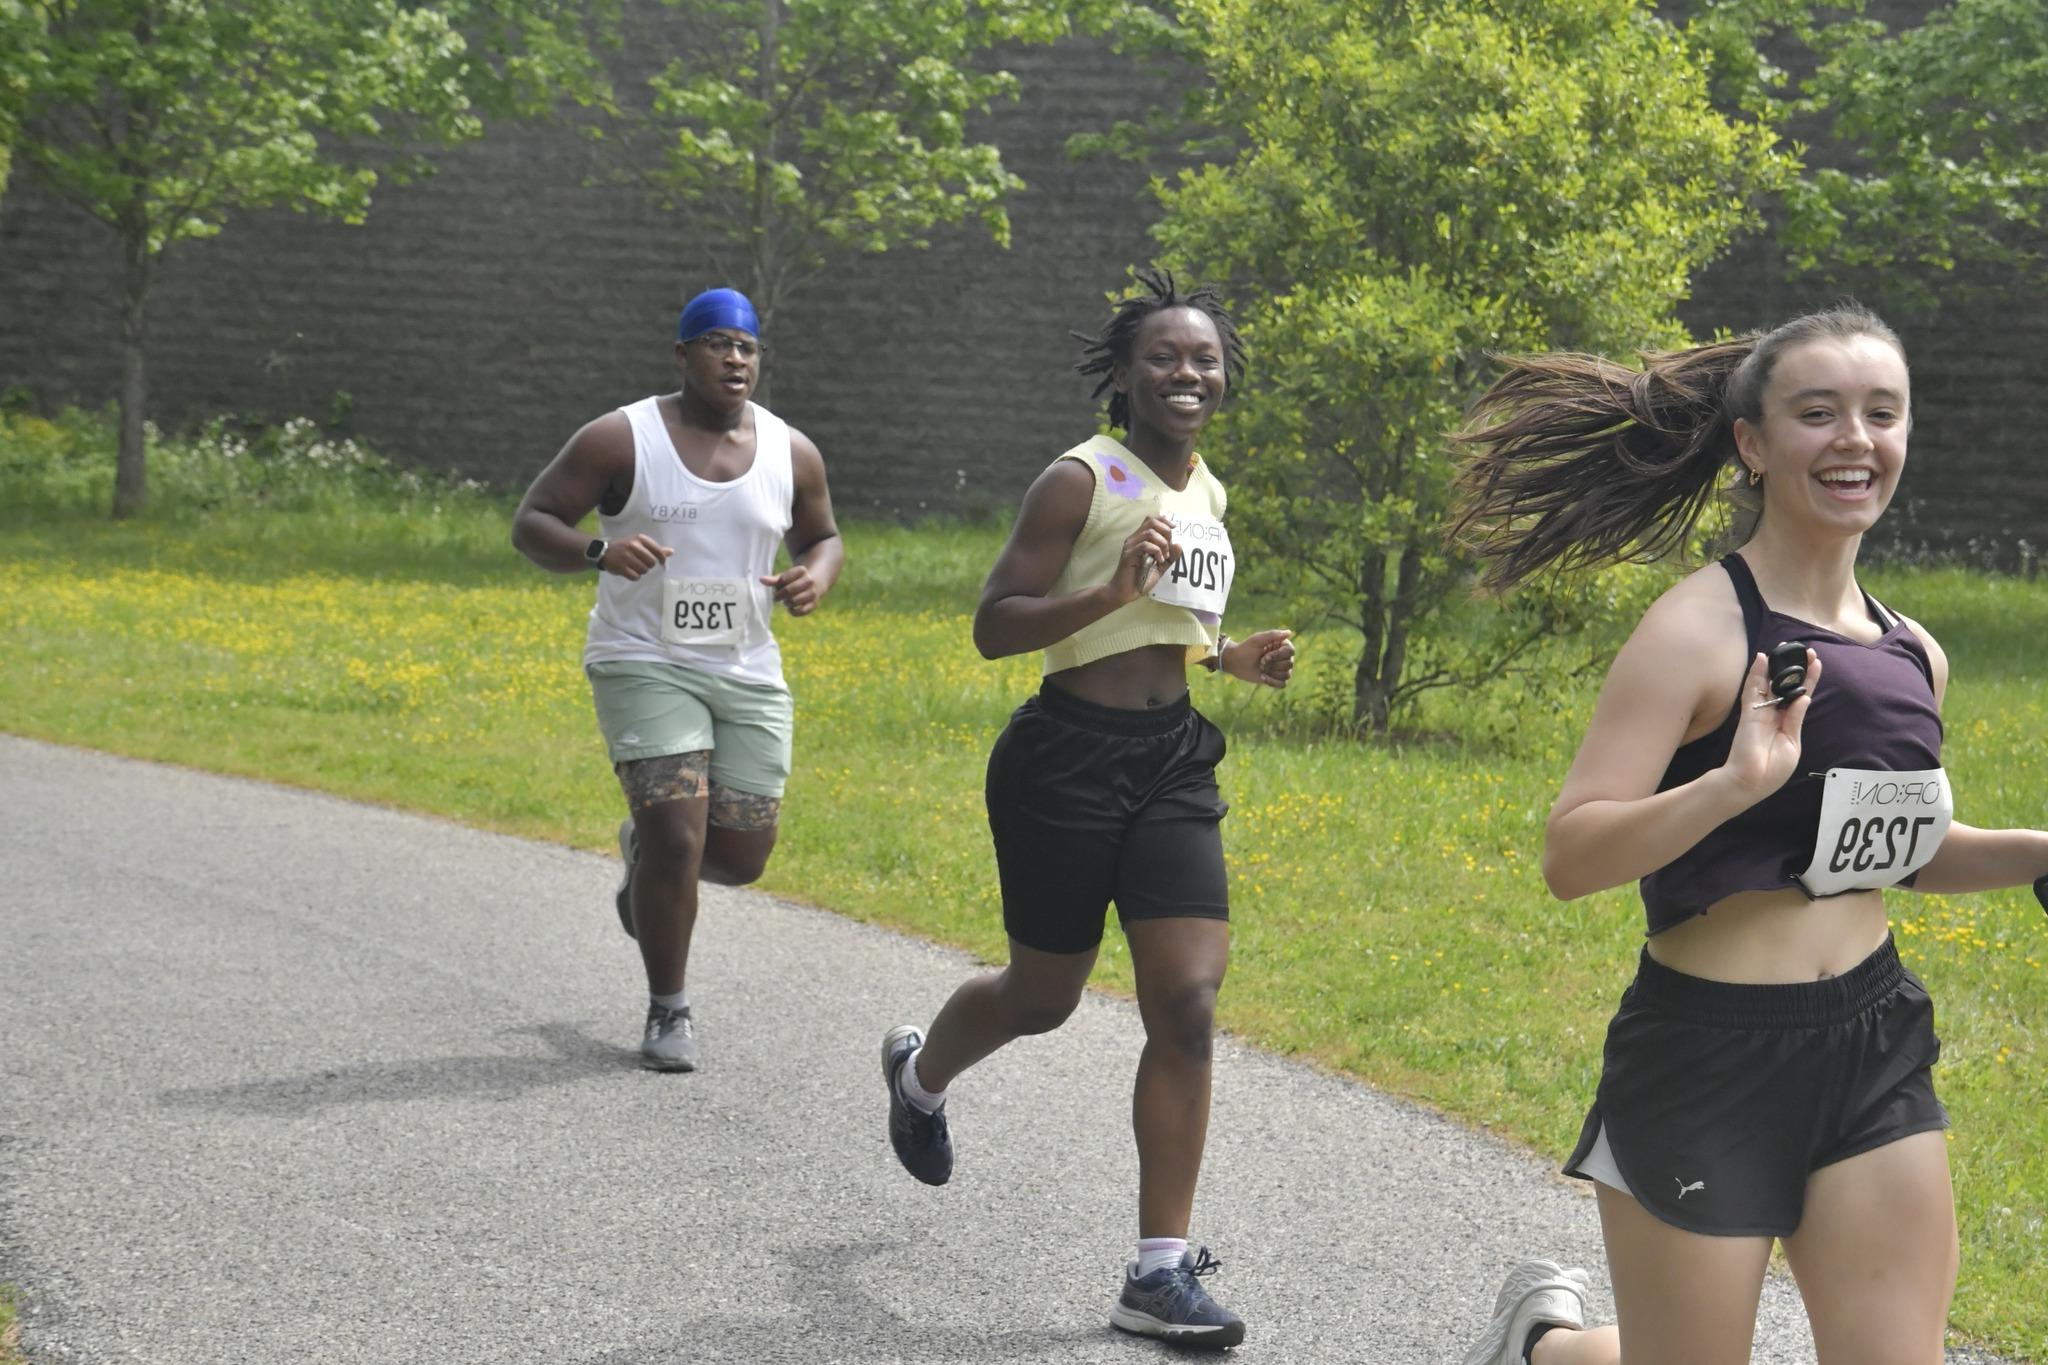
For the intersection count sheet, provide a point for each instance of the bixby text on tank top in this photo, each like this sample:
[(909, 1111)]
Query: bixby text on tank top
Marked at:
[(706, 607)]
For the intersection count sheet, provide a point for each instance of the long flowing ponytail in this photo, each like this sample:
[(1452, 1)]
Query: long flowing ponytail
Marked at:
[(1581, 461)]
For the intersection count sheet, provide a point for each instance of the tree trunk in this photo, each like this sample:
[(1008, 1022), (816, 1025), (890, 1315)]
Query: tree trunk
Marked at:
[(1368, 696), (1385, 655), (131, 475), (1407, 590), (1385, 622)]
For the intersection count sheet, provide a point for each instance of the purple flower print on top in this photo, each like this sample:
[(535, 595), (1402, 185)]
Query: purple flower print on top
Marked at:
[(1118, 479)]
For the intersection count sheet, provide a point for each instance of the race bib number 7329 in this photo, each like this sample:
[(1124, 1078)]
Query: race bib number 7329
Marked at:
[(1877, 828), (706, 612)]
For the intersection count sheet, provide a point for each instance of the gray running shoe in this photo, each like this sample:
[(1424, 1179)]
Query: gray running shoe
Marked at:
[(921, 1140), (629, 853), (1171, 1304), (1535, 1292), (671, 1041)]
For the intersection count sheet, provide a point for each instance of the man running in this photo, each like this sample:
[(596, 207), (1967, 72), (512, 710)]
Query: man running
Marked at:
[(694, 490)]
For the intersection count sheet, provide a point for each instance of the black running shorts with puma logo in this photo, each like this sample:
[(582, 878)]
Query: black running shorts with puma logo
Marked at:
[(1718, 1100)]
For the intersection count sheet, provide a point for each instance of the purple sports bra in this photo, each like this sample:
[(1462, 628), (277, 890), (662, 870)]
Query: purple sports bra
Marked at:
[(1873, 712)]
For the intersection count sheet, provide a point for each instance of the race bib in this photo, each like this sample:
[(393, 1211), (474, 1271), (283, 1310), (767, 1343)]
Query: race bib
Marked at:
[(1876, 828), (706, 612), (1200, 579)]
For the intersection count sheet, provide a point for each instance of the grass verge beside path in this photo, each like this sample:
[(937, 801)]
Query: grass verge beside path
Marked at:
[(1390, 919), (10, 1330)]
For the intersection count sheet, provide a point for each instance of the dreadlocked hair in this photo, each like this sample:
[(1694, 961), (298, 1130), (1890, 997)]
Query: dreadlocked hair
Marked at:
[(1112, 346), (1581, 461)]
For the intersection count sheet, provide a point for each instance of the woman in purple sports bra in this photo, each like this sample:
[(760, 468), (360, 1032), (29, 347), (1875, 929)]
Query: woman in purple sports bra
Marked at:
[(1767, 1077)]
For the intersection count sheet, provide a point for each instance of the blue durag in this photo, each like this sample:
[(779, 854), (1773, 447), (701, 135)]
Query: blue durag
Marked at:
[(726, 308)]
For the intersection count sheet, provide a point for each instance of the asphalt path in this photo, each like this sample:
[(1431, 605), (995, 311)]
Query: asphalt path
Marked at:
[(284, 1078)]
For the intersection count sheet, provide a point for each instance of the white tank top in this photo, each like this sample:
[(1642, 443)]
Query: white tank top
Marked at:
[(719, 531)]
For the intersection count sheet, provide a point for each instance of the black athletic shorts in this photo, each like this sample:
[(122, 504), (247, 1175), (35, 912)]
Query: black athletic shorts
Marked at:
[(1092, 804), (1719, 1100)]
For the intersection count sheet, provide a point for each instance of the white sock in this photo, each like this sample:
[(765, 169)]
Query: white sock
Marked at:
[(1154, 1252), (913, 1089), (680, 1000)]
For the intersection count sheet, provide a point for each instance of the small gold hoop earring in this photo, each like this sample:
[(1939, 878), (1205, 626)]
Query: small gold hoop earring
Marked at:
[(1756, 476)]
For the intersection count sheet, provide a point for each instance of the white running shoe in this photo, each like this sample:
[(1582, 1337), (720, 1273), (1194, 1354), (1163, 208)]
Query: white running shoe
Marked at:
[(670, 1042), (1535, 1292)]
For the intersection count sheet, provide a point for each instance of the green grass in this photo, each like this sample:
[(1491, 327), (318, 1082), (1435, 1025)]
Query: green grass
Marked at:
[(10, 1329), (1390, 923)]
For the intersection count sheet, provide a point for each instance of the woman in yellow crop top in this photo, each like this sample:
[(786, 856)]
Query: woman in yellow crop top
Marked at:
[(1102, 788)]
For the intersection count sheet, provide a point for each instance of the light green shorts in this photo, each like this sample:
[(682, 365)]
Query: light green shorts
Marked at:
[(649, 710)]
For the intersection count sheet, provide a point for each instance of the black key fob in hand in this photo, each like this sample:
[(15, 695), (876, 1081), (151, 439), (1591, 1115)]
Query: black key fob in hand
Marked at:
[(1786, 664)]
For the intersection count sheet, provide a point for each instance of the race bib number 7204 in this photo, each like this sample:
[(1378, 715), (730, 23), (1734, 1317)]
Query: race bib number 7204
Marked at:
[(706, 612), (1200, 578), (1877, 828)]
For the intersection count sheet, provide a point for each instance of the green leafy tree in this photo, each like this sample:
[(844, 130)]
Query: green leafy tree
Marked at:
[(1927, 144), (1420, 183), (14, 67), (1742, 43), (163, 118), (1939, 154), (793, 132)]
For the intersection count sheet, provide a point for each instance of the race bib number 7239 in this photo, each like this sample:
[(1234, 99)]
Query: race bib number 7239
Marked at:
[(1877, 828)]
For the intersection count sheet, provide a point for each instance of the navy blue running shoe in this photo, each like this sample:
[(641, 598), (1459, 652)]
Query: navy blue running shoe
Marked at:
[(921, 1141), (1171, 1304)]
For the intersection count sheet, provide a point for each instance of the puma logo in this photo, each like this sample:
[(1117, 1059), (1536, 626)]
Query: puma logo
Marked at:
[(1685, 1189)]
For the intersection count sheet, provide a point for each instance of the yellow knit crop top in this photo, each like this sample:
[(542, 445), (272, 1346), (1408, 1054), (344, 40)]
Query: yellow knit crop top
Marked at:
[(1126, 492)]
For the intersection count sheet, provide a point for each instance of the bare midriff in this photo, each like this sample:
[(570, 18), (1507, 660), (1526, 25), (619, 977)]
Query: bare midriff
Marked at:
[(1153, 675), (1775, 938)]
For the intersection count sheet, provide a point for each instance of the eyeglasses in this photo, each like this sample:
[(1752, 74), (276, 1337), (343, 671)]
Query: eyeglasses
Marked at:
[(720, 344)]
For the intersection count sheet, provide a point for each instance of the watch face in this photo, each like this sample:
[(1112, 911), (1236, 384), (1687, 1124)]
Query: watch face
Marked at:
[(594, 551)]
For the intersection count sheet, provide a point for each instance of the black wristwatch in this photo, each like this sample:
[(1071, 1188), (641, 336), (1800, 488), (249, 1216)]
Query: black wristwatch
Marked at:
[(2041, 890), (593, 553)]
